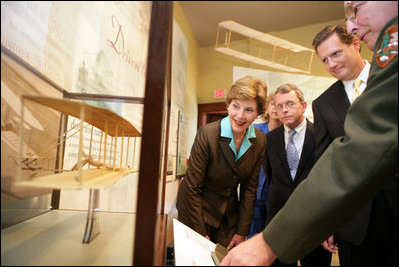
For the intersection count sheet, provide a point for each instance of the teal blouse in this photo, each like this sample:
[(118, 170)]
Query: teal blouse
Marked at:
[(227, 131)]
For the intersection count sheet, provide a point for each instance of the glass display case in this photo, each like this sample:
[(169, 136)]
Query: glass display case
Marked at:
[(83, 149)]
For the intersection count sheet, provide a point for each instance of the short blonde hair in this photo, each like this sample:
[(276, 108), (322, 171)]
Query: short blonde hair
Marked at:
[(269, 99), (249, 88)]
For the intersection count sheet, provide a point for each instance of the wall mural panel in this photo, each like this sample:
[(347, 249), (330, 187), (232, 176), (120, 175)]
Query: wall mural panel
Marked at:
[(80, 47)]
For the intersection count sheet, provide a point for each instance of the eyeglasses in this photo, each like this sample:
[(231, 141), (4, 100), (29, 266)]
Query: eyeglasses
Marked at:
[(288, 105), (351, 11)]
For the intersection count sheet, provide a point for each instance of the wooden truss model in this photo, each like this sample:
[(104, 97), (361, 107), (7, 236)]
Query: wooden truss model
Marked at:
[(262, 48)]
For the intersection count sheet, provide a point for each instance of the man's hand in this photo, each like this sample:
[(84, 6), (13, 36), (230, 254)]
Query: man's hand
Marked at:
[(235, 241), (254, 251), (329, 245)]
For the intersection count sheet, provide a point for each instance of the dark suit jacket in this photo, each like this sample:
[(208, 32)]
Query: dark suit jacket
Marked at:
[(278, 174), (329, 111), (352, 170), (208, 192)]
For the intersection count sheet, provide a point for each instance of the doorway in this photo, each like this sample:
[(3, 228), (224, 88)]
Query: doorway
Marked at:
[(211, 112)]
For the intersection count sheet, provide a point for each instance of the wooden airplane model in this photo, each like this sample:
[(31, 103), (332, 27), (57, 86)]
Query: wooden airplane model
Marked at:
[(87, 173), (103, 175), (260, 41)]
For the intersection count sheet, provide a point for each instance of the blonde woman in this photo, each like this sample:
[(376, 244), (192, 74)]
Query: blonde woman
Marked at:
[(226, 153), (271, 122)]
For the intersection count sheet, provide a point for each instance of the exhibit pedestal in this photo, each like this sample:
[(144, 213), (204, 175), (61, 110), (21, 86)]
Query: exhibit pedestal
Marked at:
[(55, 238)]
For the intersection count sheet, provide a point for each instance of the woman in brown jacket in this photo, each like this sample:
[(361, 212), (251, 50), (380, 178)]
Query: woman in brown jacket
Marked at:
[(225, 154)]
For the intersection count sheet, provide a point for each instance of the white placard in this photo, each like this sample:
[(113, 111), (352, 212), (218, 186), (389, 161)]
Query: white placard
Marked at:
[(191, 248)]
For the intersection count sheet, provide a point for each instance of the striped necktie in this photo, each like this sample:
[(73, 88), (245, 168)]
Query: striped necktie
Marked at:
[(356, 88), (292, 154)]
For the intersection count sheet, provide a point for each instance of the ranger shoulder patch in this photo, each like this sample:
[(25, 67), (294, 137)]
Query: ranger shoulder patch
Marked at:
[(388, 47)]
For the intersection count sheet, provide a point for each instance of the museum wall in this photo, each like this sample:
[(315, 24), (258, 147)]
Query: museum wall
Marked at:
[(190, 105)]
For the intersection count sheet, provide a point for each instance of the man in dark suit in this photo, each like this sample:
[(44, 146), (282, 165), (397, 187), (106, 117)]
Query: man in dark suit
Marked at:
[(290, 155), (354, 167), (340, 53)]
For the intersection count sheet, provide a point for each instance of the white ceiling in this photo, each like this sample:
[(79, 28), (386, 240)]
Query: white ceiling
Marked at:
[(264, 16)]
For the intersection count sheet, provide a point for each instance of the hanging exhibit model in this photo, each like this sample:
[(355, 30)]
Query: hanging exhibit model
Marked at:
[(262, 48)]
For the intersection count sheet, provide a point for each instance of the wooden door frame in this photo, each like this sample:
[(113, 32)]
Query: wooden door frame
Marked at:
[(210, 108), (150, 230)]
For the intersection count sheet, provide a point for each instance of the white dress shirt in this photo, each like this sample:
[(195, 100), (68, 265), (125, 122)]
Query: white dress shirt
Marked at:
[(363, 76)]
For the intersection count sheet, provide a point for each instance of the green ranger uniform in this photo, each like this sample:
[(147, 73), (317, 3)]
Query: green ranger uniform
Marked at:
[(353, 168)]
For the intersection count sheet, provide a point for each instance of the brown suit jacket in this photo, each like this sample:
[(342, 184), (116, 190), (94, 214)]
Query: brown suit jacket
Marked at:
[(208, 192)]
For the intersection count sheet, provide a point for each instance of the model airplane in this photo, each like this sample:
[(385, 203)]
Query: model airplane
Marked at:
[(101, 175), (87, 173)]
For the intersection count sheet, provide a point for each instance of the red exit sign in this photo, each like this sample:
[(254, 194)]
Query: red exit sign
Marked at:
[(218, 93)]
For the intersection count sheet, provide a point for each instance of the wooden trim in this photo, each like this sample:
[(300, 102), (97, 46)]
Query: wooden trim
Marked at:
[(152, 135), (102, 97), (160, 240), (212, 107), (169, 101)]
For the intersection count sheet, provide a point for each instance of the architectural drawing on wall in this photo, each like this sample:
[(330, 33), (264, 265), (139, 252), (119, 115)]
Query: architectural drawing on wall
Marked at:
[(94, 74), (179, 66), (261, 48), (182, 155), (91, 172)]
